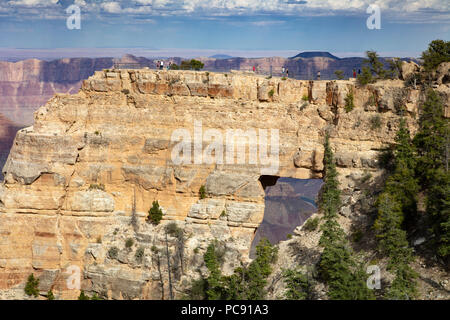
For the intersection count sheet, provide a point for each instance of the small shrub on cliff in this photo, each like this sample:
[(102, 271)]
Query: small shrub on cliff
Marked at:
[(311, 224), (139, 255), (372, 100), (438, 51), (174, 66), (192, 65), (97, 187), (83, 296), (339, 74), (113, 252), (31, 288), (173, 230), (95, 297), (50, 295), (271, 93), (375, 122), (349, 101), (155, 214), (125, 91), (367, 176), (129, 243), (365, 77), (202, 192), (197, 65)]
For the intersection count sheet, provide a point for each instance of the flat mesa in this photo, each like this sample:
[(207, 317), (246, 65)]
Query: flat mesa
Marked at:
[(193, 310)]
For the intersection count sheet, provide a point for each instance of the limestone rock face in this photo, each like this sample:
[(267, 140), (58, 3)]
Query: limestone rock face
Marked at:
[(81, 181)]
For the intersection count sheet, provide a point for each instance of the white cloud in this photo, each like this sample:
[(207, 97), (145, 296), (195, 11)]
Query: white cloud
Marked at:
[(35, 3), (415, 9), (112, 7)]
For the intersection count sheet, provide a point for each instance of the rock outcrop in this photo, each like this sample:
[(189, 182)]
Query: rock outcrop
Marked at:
[(80, 181)]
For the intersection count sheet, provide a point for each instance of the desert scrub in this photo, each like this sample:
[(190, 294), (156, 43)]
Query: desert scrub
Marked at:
[(126, 91), (202, 192), (372, 100), (305, 98), (139, 255), (113, 252), (129, 243), (311, 224), (284, 78), (173, 230), (271, 93), (97, 187), (349, 101), (375, 122), (367, 176)]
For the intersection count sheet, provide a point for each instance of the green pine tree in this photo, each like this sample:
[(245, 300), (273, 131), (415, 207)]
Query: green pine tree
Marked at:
[(155, 213), (83, 296), (433, 145), (375, 65), (438, 51), (31, 288), (215, 289), (338, 266), (50, 295), (397, 207)]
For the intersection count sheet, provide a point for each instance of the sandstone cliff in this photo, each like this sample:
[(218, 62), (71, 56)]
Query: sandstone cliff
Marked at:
[(80, 181)]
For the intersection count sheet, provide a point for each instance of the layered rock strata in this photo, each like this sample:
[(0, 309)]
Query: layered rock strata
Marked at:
[(81, 180)]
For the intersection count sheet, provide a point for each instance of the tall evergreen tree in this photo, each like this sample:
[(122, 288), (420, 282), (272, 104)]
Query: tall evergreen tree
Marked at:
[(397, 203), (337, 266), (433, 144)]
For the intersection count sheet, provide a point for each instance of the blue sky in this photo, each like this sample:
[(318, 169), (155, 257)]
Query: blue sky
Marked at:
[(216, 26)]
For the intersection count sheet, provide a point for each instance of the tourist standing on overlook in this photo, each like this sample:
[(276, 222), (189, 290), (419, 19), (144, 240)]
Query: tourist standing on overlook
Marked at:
[(318, 75)]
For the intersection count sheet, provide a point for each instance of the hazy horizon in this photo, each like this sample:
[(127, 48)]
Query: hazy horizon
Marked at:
[(18, 54), (245, 28)]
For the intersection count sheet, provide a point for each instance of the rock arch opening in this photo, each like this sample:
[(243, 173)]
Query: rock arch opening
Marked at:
[(289, 203)]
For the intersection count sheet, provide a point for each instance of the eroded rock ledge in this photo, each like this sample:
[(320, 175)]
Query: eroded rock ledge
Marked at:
[(95, 161)]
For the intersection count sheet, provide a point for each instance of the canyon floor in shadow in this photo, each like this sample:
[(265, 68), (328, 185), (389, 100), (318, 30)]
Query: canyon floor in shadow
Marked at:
[(289, 203)]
